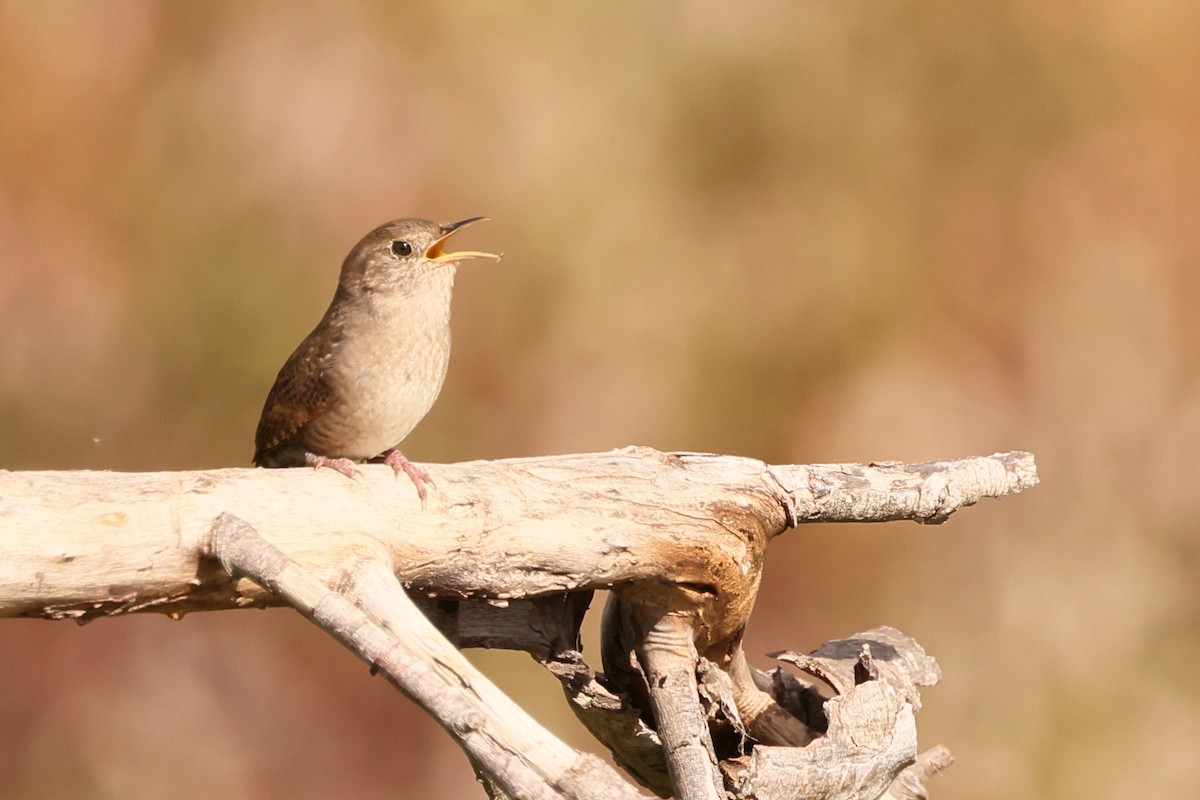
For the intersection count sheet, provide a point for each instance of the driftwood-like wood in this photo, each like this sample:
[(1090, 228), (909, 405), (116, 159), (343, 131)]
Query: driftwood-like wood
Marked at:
[(506, 554), (371, 614), (84, 544)]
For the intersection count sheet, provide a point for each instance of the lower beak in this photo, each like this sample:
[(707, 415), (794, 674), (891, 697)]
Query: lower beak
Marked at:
[(436, 251)]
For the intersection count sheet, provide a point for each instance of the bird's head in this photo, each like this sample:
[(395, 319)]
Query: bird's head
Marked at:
[(399, 256)]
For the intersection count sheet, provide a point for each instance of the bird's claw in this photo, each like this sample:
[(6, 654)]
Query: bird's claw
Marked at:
[(342, 465), (396, 460)]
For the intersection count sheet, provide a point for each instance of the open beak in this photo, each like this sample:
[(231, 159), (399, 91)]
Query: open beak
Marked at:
[(437, 254)]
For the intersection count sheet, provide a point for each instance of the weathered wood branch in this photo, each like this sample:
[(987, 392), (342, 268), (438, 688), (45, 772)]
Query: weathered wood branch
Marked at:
[(506, 554), (667, 656), (371, 614), (86, 544)]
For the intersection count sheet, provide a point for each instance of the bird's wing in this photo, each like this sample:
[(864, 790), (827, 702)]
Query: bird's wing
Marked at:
[(303, 391)]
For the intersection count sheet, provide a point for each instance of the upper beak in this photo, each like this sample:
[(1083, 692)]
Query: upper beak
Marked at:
[(436, 251)]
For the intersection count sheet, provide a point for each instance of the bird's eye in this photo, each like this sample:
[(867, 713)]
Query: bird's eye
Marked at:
[(401, 248)]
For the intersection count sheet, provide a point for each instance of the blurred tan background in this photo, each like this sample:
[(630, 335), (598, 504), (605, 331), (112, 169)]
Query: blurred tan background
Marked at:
[(795, 231)]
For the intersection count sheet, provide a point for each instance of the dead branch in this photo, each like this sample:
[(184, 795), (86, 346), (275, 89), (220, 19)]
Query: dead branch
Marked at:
[(506, 554), (84, 544), (371, 615)]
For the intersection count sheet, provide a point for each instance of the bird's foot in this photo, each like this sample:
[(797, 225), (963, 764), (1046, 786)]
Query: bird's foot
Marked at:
[(396, 460), (342, 465)]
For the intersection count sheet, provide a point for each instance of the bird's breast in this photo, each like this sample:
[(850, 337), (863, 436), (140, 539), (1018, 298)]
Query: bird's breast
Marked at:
[(386, 378)]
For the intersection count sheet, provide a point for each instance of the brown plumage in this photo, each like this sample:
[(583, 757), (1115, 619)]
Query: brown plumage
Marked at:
[(374, 364)]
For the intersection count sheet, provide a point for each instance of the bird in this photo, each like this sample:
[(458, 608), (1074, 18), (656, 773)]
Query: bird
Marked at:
[(374, 365)]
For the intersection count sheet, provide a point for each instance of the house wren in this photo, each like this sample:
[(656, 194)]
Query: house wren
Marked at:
[(374, 365)]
